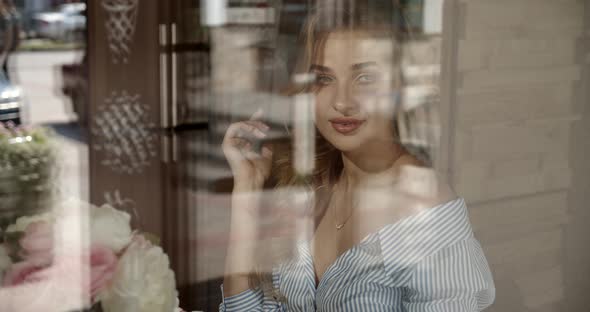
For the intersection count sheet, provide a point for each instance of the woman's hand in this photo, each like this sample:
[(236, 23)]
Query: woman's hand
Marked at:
[(249, 167)]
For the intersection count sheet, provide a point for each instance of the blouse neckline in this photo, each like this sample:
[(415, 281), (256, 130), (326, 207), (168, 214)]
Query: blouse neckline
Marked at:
[(304, 246)]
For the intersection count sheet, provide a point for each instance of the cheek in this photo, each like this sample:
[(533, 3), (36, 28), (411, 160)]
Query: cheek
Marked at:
[(321, 120), (381, 128), (322, 105), (377, 101)]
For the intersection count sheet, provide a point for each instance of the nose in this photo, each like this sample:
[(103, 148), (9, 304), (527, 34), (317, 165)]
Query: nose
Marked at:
[(343, 102)]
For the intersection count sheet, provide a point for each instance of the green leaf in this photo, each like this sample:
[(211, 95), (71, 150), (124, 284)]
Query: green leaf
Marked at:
[(154, 239)]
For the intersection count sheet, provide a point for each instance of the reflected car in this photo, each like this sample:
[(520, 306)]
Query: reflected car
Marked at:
[(10, 101), (68, 23)]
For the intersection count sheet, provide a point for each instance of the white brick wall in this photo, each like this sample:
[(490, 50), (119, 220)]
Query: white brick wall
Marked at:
[(505, 220), (512, 186), (526, 103), (518, 78), (517, 68), (524, 250), (538, 262), (511, 140), (542, 288), (511, 53), (522, 19), (523, 13)]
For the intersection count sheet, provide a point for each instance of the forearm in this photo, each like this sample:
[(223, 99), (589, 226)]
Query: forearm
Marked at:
[(240, 257)]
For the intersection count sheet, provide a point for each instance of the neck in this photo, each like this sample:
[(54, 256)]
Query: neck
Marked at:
[(369, 162)]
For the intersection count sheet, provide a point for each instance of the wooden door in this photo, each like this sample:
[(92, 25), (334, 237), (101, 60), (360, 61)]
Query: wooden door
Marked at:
[(125, 137)]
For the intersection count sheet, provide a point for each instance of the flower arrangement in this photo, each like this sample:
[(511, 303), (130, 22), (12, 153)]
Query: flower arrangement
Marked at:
[(27, 169), (88, 250)]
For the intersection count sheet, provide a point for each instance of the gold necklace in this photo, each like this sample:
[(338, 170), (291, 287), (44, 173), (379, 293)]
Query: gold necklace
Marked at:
[(339, 226)]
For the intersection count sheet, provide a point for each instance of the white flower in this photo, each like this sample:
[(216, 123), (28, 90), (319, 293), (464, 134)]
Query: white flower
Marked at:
[(177, 308), (5, 261), (79, 224), (143, 281), (110, 227), (24, 221)]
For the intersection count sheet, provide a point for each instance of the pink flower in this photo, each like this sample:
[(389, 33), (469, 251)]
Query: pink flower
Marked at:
[(103, 263), (25, 272), (37, 246), (37, 243)]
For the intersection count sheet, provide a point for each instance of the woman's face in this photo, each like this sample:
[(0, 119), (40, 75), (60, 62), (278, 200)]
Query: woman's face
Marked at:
[(355, 91)]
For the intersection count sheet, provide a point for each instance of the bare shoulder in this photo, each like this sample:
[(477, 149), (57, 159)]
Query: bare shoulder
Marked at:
[(415, 189), (422, 186)]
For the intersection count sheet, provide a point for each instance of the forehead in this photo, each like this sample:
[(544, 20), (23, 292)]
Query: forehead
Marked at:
[(348, 48)]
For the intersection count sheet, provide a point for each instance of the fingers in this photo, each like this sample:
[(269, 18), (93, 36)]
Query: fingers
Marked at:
[(262, 161), (248, 128), (240, 139), (240, 148), (264, 155), (257, 124), (245, 130)]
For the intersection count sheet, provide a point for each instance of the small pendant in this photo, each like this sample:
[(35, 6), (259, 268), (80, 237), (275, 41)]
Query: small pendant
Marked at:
[(339, 226)]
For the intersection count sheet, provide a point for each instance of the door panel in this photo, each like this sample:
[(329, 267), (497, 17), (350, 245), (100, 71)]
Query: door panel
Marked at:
[(125, 142)]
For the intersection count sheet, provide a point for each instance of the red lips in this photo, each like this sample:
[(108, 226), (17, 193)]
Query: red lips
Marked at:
[(346, 125)]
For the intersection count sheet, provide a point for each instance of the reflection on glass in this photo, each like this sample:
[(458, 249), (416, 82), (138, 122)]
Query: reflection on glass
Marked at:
[(303, 155), (369, 224)]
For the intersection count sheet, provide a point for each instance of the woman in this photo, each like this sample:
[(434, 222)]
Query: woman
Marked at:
[(387, 234)]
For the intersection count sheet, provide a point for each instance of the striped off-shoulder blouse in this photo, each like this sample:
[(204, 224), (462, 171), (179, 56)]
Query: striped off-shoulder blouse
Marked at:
[(429, 261)]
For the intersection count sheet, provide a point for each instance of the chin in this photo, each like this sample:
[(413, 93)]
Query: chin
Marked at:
[(345, 143)]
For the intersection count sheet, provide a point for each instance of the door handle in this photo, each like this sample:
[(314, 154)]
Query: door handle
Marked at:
[(164, 120), (174, 74)]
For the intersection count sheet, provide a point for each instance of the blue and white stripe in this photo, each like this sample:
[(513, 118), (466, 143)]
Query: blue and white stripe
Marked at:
[(427, 262)]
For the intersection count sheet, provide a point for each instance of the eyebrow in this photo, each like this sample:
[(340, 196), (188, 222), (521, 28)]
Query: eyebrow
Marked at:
[(357, 66), (364, 65), (320, 68)]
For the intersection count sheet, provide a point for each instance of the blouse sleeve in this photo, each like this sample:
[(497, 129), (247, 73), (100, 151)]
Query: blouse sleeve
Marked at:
[(456, 278), (249, 300), (252, 299)]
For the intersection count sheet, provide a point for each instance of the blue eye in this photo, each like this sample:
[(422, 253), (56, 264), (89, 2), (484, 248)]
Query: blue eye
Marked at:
[(366, 78), (324, 80)]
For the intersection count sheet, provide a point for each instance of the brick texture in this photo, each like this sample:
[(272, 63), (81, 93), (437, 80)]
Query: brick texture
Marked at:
[(518, 66)]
